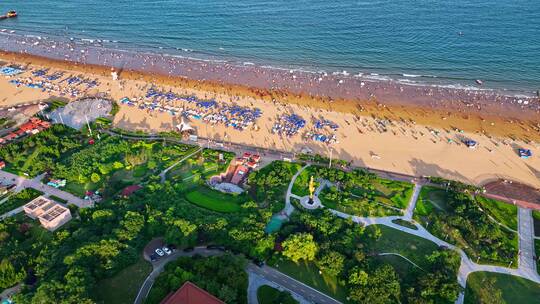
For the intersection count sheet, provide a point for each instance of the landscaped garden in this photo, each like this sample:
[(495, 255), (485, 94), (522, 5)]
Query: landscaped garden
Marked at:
[(485, 287), (268, 185), (205, 197), (356, 192), (504, 213), (270, 295), (458, 218)]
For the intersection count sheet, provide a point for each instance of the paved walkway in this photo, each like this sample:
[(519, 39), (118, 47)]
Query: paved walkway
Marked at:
[(35, 183), (412, 202), (527, 261)]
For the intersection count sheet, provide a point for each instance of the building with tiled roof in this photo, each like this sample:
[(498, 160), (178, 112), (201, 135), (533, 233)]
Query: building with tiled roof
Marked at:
[(190, 293)]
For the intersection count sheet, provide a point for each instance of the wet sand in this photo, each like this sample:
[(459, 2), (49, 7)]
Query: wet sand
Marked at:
[(415, 138)]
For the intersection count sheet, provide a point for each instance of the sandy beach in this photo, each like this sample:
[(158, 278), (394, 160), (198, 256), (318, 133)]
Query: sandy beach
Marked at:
[(421, 139)]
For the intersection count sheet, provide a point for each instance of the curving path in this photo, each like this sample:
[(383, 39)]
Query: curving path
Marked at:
[(526, 263)]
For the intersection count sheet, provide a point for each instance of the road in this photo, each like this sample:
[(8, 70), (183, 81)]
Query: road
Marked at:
[(35, 183), (288, 283)]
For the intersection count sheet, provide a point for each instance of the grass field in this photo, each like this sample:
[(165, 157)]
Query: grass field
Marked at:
[(430, 199), (270, 295), (123, 287), (399, 193), (395, 241), (308, 274), (214, 200), (356, 206), (503, 213), (514, 289)]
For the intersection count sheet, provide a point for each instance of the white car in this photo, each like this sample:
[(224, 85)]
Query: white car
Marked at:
[(167, 250), (160, 252)]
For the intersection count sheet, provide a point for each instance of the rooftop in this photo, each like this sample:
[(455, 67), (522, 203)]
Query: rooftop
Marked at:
[(190, 293)]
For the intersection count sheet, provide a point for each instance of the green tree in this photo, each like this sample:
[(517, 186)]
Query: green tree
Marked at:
[(331, 263), (300, 246), (8, 275), (95, 178)]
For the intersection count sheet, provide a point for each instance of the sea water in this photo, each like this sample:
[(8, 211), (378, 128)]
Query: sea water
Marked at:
[(454, 41)]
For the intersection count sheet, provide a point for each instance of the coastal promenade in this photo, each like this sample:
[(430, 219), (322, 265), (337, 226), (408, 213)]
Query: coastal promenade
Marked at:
[(275, 154)]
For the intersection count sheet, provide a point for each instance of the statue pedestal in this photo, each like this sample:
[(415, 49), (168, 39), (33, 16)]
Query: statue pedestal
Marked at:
[(308, 203)]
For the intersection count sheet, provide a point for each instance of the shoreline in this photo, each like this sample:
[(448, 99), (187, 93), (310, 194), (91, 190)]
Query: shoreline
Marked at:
[(410, 139), (278, 83)]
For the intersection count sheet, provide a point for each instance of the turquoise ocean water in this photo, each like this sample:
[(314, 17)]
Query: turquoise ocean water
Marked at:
[(453, 42)]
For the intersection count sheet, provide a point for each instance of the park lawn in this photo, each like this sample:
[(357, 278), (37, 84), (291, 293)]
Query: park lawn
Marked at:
[(431, 199), (123, 287), (205, 197), (397, 192), (270, 295), (502, 212), (514, 289), (79, 189), (308, 273), (536, 219), (358, 207), (414, 248), (405, 270)]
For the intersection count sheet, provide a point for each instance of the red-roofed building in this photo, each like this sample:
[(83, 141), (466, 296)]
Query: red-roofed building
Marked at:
[(247, 155), (190, 293), (239, 174), (2, 164), (129, 190)]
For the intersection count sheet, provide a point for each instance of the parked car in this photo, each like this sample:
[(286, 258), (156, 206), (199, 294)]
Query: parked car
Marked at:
[(167, 250), (172, 247), (153, 257), (160, 252)]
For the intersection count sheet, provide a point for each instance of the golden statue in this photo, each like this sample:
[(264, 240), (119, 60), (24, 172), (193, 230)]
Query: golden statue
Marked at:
[(311, 188)]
